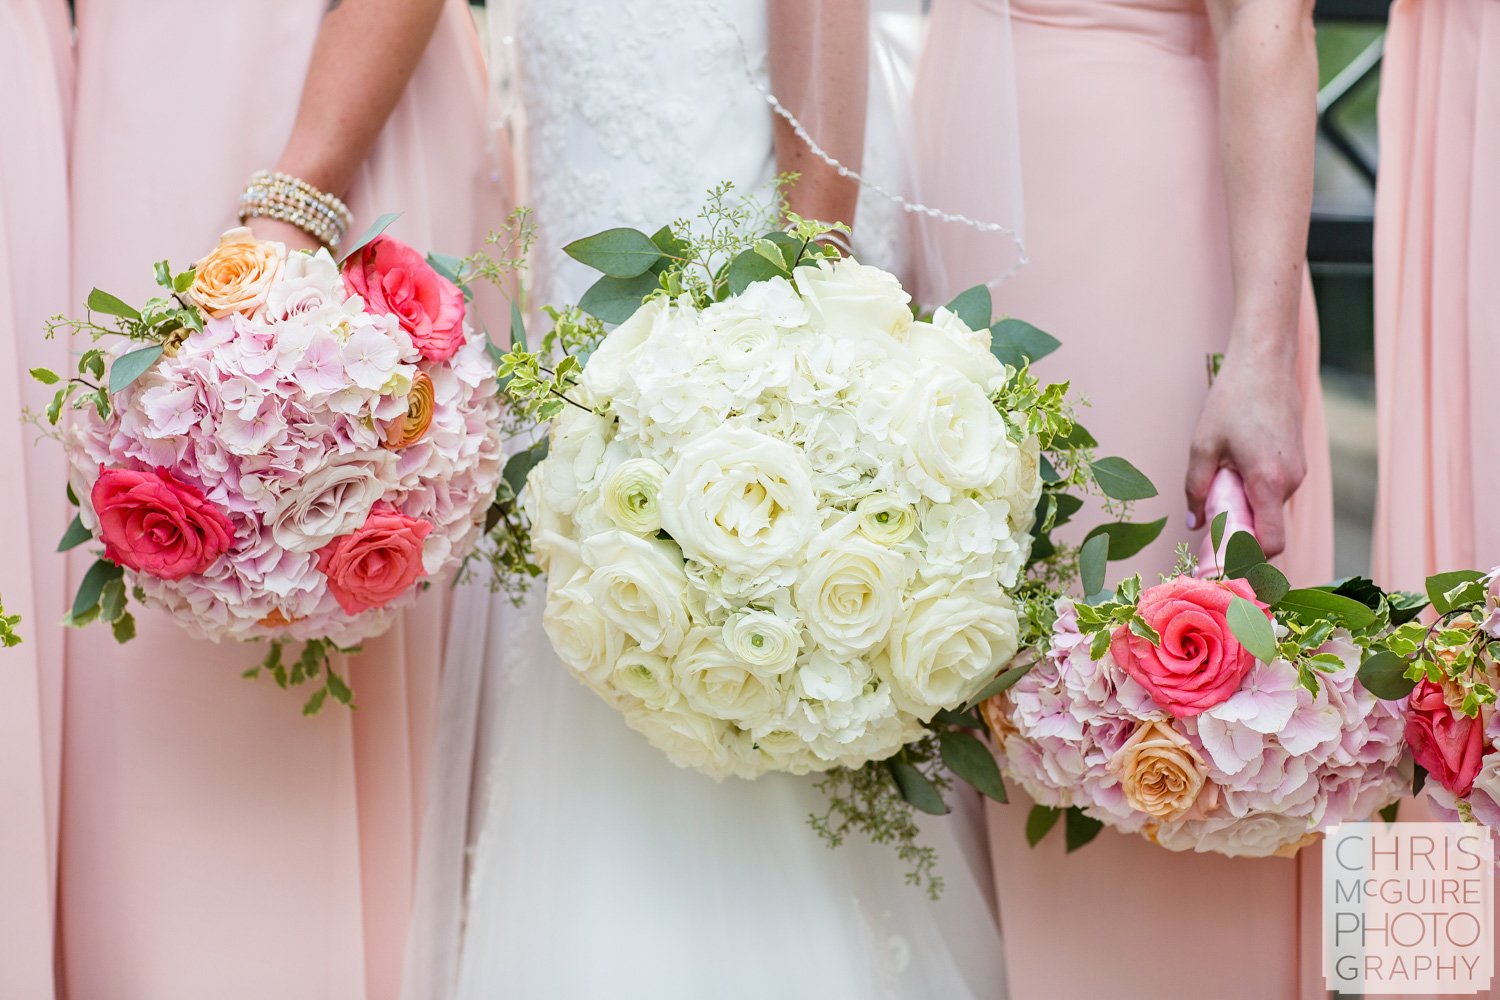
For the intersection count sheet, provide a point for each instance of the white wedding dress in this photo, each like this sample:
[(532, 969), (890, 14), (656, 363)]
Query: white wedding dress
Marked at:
[(597, 868)]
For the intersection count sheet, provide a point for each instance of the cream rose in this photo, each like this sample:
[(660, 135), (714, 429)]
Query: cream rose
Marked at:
[(640, 586), (955, 439), (309, 287), (763, 640), (951, 639), (720, 685), (853, 299), (237, 276), (849, 588), (740, 500), (631, 494), (645, 677), (1160, 772), (588, 643), (332, 501)]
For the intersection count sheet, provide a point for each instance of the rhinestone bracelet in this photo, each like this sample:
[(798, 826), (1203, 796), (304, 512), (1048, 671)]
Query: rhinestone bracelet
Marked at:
[(275, 195)]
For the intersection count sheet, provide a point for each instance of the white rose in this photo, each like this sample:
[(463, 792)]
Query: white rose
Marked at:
[(885, 519), (740, 500), (765, 641), (775, 301), (333, 501), (784, 751), (850, 588), (853, 298), (608, 366), (952, 638), (630, 495), (687, 738), (645, 677), (955, 438), (574, 455), (309, 287), (949, 341), (720, 685), (587, 642), (640, 586)]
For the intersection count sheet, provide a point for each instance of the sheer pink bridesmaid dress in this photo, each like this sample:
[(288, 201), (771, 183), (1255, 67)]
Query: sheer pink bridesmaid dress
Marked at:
[(1437, 298), (1126, 227), (215, 843), (36, 99)]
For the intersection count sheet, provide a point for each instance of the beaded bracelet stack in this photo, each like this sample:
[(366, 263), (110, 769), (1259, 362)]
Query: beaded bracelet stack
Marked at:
[(275, 195)]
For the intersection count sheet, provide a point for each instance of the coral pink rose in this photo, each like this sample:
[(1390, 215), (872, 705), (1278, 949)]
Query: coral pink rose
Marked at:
[(1199, 662), (393, 278), (1448, 744), (153, 523), (377, 563)]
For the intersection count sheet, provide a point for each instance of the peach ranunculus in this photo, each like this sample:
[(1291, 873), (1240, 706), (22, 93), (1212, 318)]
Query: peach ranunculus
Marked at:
[(154, 523), (237, 275), (408, 428), (1199, 662), (1160, 772), (377, 563), (393, 278)]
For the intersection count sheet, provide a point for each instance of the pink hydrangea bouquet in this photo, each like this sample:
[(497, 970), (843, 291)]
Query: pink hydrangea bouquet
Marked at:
[(280, 447), (1228, 714)]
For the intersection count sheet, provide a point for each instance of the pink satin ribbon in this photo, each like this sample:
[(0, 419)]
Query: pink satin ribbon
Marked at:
[(1225, 494)]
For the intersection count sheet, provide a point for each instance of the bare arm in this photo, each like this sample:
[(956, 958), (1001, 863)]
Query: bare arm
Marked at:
[(820, 71), (364, 56), (1252, 420)]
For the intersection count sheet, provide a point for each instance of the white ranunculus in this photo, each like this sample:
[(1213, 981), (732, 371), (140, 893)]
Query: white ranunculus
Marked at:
[(646, 677), (584, 639), (955, 439), (740, 500), (687, 738), (720, 685), (640, 586), (885, 519), (631, 495), (850, 588), (949, 341), (765, 641), (851, 298), (309, 287), (951, 639), (333, 501)]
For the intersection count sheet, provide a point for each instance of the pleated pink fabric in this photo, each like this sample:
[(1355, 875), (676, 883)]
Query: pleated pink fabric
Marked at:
[(1126, 228), (36, 78), (1437, 300), (214, 842)]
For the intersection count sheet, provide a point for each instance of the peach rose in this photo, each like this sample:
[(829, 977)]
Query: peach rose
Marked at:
[(236, 277), (1160, 772), (376, 564), (407, 429)]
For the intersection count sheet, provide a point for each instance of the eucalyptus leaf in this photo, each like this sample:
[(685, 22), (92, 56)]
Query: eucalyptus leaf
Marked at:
[(1092, 559), (1120, 480), (672, 246), (974, 307), (377, 227), (750, 267), (1216, 530), (1314, 604), (1048, 471), (614, 300), (964, 719), (75, 536), (1252, 628), (1078, 437), (916, 788), (1079, 828), (1017, 343), (92, 585), (1269, 583), (1447, 591), (519, 465), (1004, 682), (102, 302), (1039, 823), (1126, 538), (129, 367), (619, 253), (1384, 675), (1067, 506), (1242, 553), (971, 760)]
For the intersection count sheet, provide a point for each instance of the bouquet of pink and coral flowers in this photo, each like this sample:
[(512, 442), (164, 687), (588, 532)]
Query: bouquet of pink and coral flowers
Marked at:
[(1230, 714), (279, 447)]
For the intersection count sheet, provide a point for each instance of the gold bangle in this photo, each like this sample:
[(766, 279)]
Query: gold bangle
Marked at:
[(276, 195)]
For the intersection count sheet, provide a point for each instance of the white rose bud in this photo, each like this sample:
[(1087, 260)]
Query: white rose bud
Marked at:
[(765, 641), (630, 496)]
